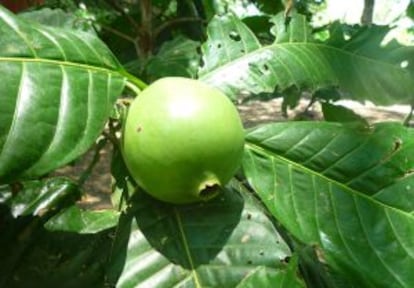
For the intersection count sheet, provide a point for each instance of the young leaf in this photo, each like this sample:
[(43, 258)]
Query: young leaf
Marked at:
[(346, 190), (61, 86), (235, 61), (212, 244)]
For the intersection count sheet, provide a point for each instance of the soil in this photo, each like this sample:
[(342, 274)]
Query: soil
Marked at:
[(97, 188)]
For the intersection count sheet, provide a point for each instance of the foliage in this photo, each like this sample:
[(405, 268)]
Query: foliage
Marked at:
[(315, 204)]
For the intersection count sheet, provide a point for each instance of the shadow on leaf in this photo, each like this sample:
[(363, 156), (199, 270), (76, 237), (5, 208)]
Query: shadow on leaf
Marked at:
[(189, 235)]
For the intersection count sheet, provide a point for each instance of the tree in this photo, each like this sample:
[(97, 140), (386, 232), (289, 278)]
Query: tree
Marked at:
[(315, 204)]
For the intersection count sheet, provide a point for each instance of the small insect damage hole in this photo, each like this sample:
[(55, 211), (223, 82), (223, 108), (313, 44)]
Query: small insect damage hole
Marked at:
[(397, 144), (218, 45), (264, 69), (285, 260), (139, 128), (404, 64), (209, 191), (234, 36)]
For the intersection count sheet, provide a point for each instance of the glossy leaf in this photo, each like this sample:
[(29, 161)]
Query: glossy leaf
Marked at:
[(39, 197), (61, 86), (75, 219), (349, 190), (212, 244), (236, 62)]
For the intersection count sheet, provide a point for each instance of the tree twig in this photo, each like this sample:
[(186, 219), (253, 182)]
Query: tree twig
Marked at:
[(368, 12), (118, 33), (172, 22), (114, 4), (85, 175)]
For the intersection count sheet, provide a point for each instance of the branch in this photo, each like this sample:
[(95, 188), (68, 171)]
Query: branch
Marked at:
[(172, 22), (368, 13), (118, 7), (118, 33)]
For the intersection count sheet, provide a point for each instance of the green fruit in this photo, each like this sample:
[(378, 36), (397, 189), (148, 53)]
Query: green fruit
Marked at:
[(182, 140)]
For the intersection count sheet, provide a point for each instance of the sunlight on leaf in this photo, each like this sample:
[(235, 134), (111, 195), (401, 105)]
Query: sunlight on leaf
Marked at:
[(61, 86), (325, 183), (242, 65)]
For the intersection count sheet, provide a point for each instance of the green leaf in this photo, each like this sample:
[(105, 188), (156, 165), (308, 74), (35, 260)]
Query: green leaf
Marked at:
[(39, 197), (177, 57), (61, 86), (264, 277), (75, 219), (338, 113), (212, 244), (57, 18), (347, 190), (236, 62)]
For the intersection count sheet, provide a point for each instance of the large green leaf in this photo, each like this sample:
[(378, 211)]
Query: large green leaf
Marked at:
[(345, 189), (59, 88), (213, 244), (236, 62)]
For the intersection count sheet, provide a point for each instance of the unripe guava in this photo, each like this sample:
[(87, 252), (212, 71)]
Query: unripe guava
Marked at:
[(182, 140)]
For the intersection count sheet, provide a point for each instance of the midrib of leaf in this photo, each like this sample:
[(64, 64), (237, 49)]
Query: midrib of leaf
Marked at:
[(187, 248), (350, 190), (59, 63), (286, 45), (133, 83)]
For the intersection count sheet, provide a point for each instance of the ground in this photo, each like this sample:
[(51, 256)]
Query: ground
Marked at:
[(98, 186)]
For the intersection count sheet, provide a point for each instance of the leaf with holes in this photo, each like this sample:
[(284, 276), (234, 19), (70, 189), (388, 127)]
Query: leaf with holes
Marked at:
[(236, 62), (61, 86), (178, 57), (212, 244), (347, 190)]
